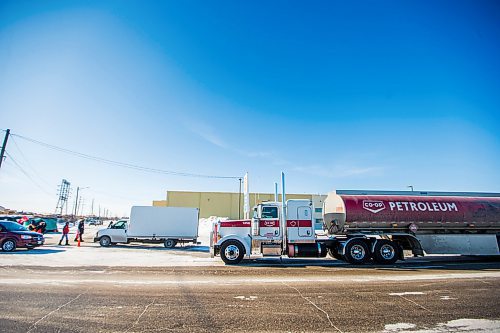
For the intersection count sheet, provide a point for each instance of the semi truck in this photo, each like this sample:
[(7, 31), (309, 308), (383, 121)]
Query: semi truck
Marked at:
[(157, 225), (365, 226)]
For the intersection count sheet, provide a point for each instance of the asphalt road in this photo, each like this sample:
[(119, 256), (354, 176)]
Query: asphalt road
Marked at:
[(259, 296)]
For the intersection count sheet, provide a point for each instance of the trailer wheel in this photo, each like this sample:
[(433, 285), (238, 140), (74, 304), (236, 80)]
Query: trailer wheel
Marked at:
[(170, 243), (386, 252), (105, 241), (357, 252), (232, 252)]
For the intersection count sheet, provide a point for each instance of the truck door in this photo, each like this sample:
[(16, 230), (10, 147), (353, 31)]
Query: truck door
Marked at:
[(269, 222), (118, 232), (304, 218)]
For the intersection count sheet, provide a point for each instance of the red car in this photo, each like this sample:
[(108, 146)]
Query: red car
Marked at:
[(13, 235)]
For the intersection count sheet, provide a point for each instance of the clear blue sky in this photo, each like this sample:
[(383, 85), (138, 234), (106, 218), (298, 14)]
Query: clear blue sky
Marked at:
[(371, 95)]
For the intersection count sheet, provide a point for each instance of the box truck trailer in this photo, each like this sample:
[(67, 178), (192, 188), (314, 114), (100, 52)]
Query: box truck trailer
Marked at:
[(366, 226), (156, 225)]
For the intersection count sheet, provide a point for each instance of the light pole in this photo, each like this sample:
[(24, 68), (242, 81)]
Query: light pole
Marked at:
[(410, 187), (76, 199)]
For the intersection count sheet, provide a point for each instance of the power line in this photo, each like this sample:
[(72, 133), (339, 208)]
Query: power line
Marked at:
[(121, 164), (29, 164), (27, 175)]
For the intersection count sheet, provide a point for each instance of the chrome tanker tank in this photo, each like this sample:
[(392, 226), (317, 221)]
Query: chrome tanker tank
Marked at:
[(418, 212)]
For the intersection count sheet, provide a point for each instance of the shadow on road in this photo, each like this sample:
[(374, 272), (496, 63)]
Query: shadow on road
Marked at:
[(410, 264), (159, 247), (37, 251)]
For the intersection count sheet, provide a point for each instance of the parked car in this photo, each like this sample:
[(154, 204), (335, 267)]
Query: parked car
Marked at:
[(93, 221), (13, 235)]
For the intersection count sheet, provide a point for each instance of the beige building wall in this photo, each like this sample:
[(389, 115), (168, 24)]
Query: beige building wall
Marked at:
[(226, 204)]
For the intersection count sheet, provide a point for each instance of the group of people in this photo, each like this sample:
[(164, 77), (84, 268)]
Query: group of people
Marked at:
[(38, 227), (65, 232)]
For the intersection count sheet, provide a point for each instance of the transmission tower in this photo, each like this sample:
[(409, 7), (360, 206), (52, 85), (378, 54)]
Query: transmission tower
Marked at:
[(63, 194)]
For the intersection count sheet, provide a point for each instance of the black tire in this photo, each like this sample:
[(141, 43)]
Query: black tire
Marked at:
[(232, 252), (9, 245), (386, 252), (105, 241), (170, 243), (334, 253), (356, 252)]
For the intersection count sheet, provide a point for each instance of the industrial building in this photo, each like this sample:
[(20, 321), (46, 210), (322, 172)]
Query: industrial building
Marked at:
[(227, 204)]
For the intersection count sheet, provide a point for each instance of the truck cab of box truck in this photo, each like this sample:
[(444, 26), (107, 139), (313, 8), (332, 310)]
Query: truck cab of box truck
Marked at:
[(115, 233)]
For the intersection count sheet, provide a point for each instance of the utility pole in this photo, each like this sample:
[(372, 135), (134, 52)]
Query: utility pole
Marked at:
[(76, 200), (2, 152), (81, 203), (92, 208)]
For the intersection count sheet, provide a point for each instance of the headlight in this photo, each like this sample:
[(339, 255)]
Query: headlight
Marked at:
[(26, 237)]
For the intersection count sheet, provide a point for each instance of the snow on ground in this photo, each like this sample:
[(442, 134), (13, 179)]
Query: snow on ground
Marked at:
[(92, 254), (458, 325)]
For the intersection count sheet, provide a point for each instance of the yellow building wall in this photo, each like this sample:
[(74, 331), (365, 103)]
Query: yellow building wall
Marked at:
[(222, 204)]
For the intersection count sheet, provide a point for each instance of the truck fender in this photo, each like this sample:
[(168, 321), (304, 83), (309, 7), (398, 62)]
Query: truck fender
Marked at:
[(412, 241), (243, 240)]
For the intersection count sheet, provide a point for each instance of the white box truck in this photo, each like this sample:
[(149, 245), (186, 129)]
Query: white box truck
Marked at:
[(167, 225)]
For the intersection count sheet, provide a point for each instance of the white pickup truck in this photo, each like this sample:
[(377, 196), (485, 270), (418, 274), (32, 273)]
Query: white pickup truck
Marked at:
[(147, 224)]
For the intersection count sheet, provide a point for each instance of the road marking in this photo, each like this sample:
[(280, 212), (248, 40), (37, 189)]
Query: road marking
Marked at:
[(407, 293), (446, 298), (249, 298)]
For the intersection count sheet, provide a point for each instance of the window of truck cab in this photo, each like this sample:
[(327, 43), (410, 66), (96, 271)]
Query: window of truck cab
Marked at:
[(119, 225), (269, 212)]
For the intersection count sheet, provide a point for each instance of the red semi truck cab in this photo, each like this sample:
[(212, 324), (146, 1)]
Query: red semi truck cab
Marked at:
[(268, 233)]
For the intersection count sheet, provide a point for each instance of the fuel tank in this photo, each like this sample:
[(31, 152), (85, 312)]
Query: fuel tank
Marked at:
[(346, 211)]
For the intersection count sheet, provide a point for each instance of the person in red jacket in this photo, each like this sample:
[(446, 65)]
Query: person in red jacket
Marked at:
[(65, 233)]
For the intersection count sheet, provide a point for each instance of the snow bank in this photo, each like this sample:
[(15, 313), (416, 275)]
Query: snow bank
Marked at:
[(205, 227)]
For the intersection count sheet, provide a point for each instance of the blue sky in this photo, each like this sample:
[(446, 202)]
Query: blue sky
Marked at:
[(372, 95)]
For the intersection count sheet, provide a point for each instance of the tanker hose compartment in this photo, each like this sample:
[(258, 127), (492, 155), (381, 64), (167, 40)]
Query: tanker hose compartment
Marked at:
[(334, 227)]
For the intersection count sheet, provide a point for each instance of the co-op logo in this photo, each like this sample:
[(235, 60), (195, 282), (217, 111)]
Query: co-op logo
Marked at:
[(373, 206)]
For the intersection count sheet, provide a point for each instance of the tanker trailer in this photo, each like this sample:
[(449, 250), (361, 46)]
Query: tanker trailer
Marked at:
[(380, 225)]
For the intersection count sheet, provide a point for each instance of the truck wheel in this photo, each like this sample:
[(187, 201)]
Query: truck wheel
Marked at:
[(333, 252), (105, 241), (170, 243), (232, 252), (357, 252), (9, 245), (386, 252)]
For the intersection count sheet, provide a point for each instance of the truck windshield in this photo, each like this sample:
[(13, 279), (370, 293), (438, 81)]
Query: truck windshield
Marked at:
[(13, 226), (269, 212)]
